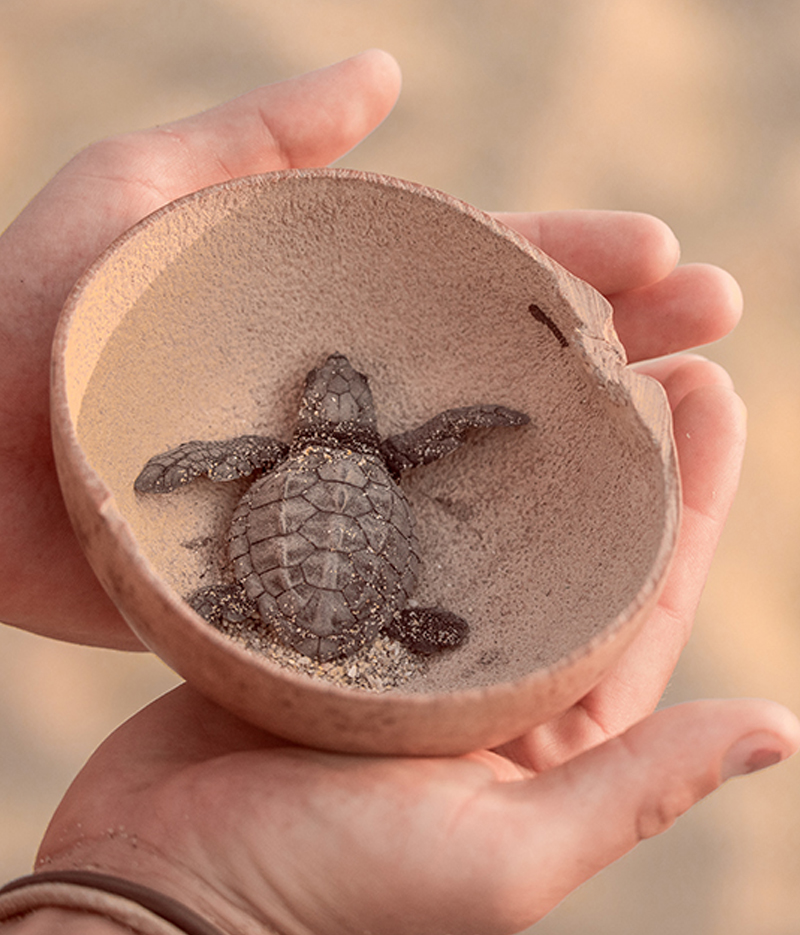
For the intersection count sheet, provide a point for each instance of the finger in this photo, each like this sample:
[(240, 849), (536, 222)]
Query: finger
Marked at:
[(710, 431), (631, 259), (679, 374), (615, 251), (310, 120), (555, 831), (710, 428), (695, 305)]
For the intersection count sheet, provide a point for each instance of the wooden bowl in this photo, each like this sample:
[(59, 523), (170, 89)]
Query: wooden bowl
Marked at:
[(552, 540)]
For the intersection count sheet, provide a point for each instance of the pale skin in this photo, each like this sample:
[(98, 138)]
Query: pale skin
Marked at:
[(262, 835)]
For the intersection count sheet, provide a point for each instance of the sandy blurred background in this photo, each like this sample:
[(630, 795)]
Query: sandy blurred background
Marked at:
[(689, 109)]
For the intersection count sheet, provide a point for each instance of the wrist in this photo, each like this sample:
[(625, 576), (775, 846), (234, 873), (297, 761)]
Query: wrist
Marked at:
[(87, 901), (187, 879), (48, 920), (118, 856)]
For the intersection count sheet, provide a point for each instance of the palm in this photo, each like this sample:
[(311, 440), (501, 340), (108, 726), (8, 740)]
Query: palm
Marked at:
[(344, 820)]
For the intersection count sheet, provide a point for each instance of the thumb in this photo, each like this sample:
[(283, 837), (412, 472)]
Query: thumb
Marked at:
[(309, 120), (574, 820)]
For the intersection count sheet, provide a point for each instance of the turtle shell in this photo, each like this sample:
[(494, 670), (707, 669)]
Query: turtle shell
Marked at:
[(325, 546)]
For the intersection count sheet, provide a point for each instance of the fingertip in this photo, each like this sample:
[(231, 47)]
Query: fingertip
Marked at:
[(734, 291), (712, 408), (680, 374), (720, 289), (776, 739), (658, 244), (696, 304), (382, 64), (348, 100), (375, 71), (615, 251), (696, 746)]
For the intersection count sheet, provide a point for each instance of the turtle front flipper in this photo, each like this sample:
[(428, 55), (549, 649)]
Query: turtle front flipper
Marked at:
[(219, 460), (427, 630), (443, 434)]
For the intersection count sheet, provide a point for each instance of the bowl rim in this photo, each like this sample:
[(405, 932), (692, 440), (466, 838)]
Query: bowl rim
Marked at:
[(71, 459)]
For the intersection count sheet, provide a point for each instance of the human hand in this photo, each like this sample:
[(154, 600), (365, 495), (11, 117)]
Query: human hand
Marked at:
[(304, 841), (260, 835), (46, 584), (659, 309), (320, 842)]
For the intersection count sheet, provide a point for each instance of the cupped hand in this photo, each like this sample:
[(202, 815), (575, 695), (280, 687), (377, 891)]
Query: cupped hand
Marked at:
[(46, 584), (659, 309), (259, 835)]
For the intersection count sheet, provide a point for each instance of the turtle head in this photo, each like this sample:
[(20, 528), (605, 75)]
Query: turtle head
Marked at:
[(337, 406)]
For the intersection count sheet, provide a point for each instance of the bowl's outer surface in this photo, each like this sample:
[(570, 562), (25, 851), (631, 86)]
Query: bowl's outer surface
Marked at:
[(552, 540)]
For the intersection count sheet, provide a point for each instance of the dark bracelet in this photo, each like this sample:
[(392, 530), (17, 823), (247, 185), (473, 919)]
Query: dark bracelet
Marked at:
[(165, 907)]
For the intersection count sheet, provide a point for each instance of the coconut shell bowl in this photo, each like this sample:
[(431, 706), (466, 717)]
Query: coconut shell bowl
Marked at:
[(550, 538)]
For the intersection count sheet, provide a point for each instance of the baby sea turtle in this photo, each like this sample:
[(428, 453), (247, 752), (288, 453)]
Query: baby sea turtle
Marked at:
[(322, 543)]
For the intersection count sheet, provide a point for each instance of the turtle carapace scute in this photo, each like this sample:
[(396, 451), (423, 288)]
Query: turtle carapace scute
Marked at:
[(322, 544)]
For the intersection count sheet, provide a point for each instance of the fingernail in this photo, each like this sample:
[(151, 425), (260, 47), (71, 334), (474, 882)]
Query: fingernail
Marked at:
[(751, 753)]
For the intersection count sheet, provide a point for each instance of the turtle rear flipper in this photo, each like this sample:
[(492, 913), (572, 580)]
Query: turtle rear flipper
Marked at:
[(443, 434), (219, 460), (427, 630), (223, 603)]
